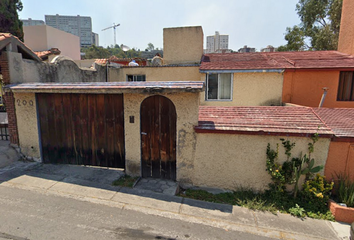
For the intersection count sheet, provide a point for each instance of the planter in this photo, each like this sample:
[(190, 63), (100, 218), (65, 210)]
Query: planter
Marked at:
[(340, 213)]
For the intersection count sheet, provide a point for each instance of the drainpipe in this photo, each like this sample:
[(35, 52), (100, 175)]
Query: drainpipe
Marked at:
[(325, 89)]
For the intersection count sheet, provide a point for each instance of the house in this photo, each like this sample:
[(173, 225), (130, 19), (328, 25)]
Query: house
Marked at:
[(43, 38), (275, 78), (202, 120)]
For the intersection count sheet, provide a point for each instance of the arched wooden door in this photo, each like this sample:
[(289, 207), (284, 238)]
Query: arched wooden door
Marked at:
[(158, 137)]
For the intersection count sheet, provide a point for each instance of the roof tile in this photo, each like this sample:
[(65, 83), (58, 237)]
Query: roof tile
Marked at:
[(277, 60), (269, 120), (340, 120)]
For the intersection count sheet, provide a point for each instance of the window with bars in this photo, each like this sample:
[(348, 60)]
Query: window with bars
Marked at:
[(346, 87), (219, 86)]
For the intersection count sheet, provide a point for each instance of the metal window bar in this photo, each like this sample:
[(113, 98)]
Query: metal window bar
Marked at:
[(4, 131)]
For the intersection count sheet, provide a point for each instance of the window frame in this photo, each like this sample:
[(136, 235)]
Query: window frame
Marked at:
[(207, 87), (135, 77), (342, 88)]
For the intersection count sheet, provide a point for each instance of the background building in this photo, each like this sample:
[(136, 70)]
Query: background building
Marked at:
[(269, 48), (42, 38), (217, 43), (95, 39), (246, 49), (31, 22), (76, 25)]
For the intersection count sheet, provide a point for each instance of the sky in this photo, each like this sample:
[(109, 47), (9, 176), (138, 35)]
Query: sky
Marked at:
[(255, 23)]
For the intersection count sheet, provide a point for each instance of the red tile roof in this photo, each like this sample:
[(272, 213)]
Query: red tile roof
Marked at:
[(109, 87), (277, 60), (340, 120), (7, 38), (45, 54), (292, 121)]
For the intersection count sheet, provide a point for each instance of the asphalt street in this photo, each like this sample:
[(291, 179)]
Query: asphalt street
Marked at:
[(31, 215)]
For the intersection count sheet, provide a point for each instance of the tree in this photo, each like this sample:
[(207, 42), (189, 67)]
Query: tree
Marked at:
[(319, 28), (150, 47), (94, 52), (9, 22)]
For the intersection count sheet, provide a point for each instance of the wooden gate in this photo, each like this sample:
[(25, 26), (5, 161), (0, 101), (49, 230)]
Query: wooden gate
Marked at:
[(158, 138), (82, 129)]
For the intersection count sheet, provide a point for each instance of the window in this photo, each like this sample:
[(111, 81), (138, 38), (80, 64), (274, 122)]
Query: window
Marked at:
[(346, 87), (219, 86), (136, 78)]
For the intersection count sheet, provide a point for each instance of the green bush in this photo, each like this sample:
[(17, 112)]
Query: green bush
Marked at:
[(317, 192)]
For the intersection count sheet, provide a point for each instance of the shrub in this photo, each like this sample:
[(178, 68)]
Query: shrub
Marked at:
[(345, 189), (316, 192)]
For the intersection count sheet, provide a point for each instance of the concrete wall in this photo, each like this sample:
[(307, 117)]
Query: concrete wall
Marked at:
[(346, 33), (62, 70), (252, 89), (305, 88), (87, 63), (182, 45), (43, 37), (187, 117), (231, 161), (340, 160), (157, 73), (26, 114)]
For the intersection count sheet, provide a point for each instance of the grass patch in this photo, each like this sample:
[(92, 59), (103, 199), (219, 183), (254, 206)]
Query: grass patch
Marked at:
[(268, 201), (125, 181)]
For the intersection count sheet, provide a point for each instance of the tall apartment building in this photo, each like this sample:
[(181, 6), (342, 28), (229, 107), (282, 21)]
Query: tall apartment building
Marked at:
[(31, 22), (217, 43), (76, 25)]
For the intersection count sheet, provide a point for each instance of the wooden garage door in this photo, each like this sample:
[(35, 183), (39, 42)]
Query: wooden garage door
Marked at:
[(82, 129)]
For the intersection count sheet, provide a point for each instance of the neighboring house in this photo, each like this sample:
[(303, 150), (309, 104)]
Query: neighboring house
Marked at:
[(312, 71), (341, 150), (43, 37), (276, 78)]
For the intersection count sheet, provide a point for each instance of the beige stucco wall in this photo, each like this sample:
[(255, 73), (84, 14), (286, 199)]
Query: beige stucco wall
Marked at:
[(182, 45), (157, 73), (252, 89), (187, 117), (230, 161), (43, 37), (26, 114)]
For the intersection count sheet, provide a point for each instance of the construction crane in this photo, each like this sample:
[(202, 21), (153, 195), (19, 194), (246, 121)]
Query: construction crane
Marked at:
[(114, 28)]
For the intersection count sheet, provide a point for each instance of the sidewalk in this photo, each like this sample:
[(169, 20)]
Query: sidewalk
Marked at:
[(94, 185)]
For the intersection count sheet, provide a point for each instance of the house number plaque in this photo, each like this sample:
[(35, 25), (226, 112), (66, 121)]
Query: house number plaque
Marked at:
[(24, 102)]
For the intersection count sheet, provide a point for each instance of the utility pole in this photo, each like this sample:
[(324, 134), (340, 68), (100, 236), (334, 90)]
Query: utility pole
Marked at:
[(114, 28)]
